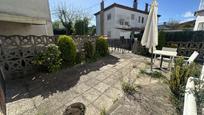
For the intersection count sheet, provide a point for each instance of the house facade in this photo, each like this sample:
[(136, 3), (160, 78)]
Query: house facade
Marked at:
[(25, 17), (199, 24), (119, 20)]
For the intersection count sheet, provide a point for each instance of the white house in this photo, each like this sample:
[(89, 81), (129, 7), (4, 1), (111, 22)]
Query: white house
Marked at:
[(119, 20), (199, 25), (25, 17)]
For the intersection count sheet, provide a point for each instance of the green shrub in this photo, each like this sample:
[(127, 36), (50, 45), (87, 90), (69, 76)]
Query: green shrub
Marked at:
[(180, 75), (89, 50), (49, 60), (102, 47), (79, 57), (161, 41), (68, 48)]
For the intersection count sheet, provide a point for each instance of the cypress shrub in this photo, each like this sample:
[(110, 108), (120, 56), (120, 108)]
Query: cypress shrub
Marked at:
[(68, 48), (101, 47)]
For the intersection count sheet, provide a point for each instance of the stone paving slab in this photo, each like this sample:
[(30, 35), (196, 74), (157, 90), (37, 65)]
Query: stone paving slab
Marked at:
[(97, 85)]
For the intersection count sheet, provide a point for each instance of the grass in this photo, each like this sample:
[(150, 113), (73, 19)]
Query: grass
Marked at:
[(115, 100), (154, 74), (129, 88), (103, 111)]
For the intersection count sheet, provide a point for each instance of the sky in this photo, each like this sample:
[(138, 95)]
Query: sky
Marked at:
[(179, 10)]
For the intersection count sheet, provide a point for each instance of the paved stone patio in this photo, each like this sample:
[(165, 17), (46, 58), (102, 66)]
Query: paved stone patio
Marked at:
[(97, 85)]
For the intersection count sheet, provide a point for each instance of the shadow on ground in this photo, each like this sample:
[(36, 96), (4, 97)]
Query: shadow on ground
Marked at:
[(47, 84)]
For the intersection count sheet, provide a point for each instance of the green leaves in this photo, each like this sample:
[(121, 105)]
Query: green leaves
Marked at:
[(102, 47), (50, 59), (68, 48)]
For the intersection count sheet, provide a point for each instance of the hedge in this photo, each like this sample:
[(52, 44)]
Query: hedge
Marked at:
[(181, 36), (185, 36)]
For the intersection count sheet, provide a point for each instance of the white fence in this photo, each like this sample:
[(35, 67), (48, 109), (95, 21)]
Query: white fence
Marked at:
[(190, 107)]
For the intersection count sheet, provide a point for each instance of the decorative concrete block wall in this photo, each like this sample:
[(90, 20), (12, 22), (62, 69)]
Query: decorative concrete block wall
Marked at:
[(17, 52)]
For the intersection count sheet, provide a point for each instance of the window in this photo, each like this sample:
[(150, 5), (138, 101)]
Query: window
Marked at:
[(121, 21), (142, 20), (201, 26), (127, 23), (109, 34), (139, 19), (132, 16), (109, 17)]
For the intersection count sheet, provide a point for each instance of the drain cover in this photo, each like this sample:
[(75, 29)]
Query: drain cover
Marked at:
[(75, 109)]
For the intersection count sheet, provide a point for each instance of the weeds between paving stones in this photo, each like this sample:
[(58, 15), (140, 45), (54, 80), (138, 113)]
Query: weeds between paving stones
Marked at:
[(154, 74), (129, 88), (103, 111)]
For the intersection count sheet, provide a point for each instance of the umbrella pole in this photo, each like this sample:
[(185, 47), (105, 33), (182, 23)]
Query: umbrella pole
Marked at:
[(151, 59)]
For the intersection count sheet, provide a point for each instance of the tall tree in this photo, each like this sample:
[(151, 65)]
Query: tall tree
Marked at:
[(56, 24), (69, 16), (81, 26), (92, 30)]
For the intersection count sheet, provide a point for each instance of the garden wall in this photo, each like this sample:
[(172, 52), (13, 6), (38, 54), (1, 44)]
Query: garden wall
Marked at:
[(185, 41), (17, 52)]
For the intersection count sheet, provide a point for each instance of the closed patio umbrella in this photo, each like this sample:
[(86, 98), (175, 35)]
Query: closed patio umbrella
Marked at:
[(150, 35)]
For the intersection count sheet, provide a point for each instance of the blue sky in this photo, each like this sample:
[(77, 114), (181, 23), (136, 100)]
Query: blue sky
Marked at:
[(180, 10)]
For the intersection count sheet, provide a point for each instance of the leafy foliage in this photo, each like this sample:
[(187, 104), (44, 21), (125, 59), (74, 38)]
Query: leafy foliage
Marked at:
[(81, 26), (79, 57), (179, 77), (50, 59), (89, 50), (102, 47), (68, 48), (92, 30), (55, 24), (185, 36), (161, 41), (199, 94)]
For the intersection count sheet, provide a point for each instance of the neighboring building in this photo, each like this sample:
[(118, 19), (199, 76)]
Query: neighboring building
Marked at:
[(189, 25), (118, 20), (183, 26), (199, 25), (25, 17)]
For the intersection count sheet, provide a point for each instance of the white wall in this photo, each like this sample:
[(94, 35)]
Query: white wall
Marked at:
[(199, 19), (10, 28), (113, 24), (98, 28), (31, 8), (109, 25), (126, 15)]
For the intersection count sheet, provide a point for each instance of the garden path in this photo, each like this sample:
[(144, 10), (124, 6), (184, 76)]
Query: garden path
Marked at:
[(97, 85)]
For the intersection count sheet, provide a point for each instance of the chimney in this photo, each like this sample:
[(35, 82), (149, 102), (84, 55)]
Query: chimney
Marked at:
[(135, 4), (102, 5), (102, 18), (146, 7)]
